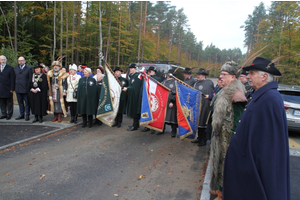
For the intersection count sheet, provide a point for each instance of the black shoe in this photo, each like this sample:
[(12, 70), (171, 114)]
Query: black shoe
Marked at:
[(72, 119), (173, 135), (152, 131), (159, 133), (27, 118), (99, 122), (115, 124), (202, 143), (119, 125), (35, 120), (83, 125), (195, 141), (132, 129), (2, 117), (41, 120), (8, 117), (20, 117), (145, 129)]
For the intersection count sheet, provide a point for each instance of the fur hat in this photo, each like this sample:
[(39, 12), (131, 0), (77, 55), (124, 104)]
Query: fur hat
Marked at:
[(231, 67), (73, 67), (56, 63), (88, 69)]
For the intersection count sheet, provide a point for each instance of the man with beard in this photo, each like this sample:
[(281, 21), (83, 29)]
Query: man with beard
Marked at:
[(23, 77), (205, 86), (134, 91), (7, 87), (123, 98), (58, 86), (228, 106)]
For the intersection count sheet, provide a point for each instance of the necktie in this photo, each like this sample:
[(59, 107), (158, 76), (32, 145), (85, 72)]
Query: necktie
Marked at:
[(1, 68)]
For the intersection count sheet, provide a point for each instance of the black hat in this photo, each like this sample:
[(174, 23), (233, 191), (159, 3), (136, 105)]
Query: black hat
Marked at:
[(38, 66), (202, 71), (187, 71), (118, 69), (132, 65), (170, 71), (83, 65), (245, 72), (151, 68), (265, 65)]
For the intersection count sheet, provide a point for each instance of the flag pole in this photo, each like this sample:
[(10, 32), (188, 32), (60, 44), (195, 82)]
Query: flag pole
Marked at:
[(108, 67), (180, 81), (158, 83)]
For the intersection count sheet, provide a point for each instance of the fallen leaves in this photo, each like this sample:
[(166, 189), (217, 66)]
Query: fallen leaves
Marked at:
[(116, 195), (11, 181), (7, 174), (42, 176)]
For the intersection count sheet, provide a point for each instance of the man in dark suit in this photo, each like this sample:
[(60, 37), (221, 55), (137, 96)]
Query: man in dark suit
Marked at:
[(23, 77), (7, 87)]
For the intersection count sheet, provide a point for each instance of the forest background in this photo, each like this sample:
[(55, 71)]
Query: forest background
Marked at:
[(127, 31)]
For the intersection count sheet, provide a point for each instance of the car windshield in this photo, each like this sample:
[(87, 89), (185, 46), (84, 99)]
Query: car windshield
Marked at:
[(290, 96)]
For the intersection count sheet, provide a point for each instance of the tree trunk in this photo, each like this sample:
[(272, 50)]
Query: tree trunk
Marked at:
[(144, 34), (100, 32), (78, 30), (61, 27), (72, 59), (179, 46), (16, 28), (170, 44), (141, 16), (157, 44), (86, 27), (67, 35), (108, 37), (119, 40), (54, 34)]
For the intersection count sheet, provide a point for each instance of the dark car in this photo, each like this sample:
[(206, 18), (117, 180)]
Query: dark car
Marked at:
[(162, 67), (291, 100)]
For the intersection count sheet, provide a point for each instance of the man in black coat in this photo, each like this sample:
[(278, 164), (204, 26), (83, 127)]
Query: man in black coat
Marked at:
[(123, 98), (7, 87), (205, 86), (188, 78), (23, 77)]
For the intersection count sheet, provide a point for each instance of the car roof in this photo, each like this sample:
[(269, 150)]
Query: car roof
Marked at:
[(282, 87)]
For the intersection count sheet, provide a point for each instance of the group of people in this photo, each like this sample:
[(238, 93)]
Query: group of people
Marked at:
[(242, 118)]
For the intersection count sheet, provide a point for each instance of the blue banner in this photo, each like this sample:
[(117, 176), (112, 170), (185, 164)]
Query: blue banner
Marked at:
[(188, 109)]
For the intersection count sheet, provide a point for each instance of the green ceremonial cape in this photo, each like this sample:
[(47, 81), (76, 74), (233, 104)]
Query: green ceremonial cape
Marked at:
[(134, 100)]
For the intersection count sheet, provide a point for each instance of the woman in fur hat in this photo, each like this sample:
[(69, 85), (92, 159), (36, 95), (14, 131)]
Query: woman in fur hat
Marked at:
[(37, 95), (57, 83), (227, 108), (72, 80)]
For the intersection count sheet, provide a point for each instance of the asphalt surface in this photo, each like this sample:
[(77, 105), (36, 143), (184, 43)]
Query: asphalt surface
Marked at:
[(101, 163)]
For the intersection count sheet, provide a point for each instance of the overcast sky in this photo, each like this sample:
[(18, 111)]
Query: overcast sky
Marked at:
[(218, 22)]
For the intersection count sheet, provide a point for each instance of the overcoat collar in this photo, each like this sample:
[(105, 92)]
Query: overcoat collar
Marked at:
[(257, 94)]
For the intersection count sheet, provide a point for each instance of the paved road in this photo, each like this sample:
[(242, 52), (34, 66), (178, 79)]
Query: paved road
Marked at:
[(102, 163)]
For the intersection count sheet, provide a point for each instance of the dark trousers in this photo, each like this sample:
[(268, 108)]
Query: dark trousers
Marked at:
[(73, 108), (119, 118), (24, 109), (136, 123), (7, 106), (201, 135)]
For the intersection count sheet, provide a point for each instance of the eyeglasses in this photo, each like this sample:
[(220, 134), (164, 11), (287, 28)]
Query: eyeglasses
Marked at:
[(222, 74)]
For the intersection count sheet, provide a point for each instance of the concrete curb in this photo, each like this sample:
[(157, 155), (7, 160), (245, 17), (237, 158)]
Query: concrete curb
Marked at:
[(205, 194), (60, 127)]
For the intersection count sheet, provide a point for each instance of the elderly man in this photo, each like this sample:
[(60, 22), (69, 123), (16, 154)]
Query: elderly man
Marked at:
[(243, 78), (205, 86), (228, 105), (257, 159), (188, 78), (58, 86), (134, 91), (23, 78), (7, 87)]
